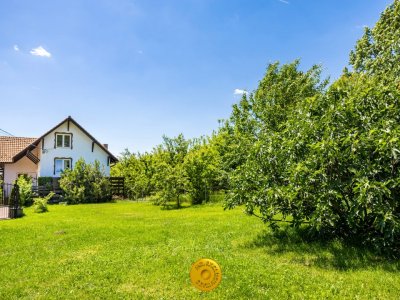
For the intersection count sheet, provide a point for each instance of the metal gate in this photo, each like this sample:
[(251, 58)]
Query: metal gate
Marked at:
[(9, 201)]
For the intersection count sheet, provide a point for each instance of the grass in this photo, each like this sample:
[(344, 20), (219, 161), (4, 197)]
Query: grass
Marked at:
[(129, 250)]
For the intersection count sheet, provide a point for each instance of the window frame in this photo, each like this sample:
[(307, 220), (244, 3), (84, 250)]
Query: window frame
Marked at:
[(63, 159), (63, 134)]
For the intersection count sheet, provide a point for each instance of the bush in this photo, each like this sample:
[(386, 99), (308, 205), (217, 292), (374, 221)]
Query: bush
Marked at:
[(85, 183), (25, 190), (155, 198), (40, 204)]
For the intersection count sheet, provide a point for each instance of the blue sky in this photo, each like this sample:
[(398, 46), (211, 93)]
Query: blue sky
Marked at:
[(131, 71)]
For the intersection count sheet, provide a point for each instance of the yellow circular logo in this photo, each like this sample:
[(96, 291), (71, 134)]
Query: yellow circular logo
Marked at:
[(205, 274)]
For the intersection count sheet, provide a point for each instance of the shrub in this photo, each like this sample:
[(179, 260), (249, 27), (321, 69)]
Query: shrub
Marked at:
[(85, 183), (25, 190), (155, 198), (40, 204)]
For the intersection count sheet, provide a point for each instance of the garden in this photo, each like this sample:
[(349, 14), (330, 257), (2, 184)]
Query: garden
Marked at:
[(296, 195), (135, 250)]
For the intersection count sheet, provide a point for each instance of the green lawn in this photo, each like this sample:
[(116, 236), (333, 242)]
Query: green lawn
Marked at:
[(130, 250)]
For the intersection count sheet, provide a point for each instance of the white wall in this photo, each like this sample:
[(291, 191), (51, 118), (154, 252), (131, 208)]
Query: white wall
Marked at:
[(81, 148), (24, 165)]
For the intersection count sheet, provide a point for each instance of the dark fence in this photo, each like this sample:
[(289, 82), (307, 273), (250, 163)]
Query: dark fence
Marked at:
[(9, 201), (117, 187), (44, 190)]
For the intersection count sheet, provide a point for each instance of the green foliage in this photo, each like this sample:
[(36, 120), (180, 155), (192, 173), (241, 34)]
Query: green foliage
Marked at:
[(85, 183), (299, 151), (257, 154), (202, 166), (174, 169), (25, 190), (378, 51), (40, 204), (155, 198), (138, 171), (358, 156), (170, 178), (327, 158), (217, 197)]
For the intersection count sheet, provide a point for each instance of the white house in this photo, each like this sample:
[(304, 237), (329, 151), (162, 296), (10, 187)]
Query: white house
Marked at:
[(53, 152)]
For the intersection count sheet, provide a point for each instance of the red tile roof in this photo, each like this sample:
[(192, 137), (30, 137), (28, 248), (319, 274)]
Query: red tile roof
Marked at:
[(10, 146)]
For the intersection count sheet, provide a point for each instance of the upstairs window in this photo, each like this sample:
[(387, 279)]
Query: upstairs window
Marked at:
[(63, 140)]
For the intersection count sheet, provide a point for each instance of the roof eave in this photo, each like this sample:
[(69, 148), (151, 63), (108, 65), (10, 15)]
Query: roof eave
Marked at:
[(22, 153)]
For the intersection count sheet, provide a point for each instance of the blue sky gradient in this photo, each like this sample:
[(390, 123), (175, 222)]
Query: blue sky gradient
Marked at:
[(131, 71)]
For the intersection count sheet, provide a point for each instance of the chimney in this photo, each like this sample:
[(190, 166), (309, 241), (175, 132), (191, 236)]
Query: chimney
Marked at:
[(105, 146)]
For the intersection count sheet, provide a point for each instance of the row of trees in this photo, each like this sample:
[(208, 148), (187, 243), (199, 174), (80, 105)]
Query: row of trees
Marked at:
[(300, 149), (174, 168)]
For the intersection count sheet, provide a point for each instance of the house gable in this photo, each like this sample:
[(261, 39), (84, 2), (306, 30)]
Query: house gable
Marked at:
[(68, 122), (65, 144)]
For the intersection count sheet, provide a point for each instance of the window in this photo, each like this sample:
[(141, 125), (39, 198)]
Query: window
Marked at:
[(60, 164), (63, 140)]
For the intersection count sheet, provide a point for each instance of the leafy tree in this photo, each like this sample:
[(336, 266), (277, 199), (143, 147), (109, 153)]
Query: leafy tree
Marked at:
[(361, 174), (378, 51), (170, 176), (257, 154), (202, 165), (328, 158), (138, 171)]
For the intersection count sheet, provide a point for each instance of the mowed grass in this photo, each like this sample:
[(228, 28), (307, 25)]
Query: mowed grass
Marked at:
[(129, 250)]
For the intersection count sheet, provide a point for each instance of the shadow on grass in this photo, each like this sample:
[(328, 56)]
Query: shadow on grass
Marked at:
[(322, 253), (174, 206)]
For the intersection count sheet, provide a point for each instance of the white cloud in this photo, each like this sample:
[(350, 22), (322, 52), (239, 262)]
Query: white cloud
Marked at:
[(40, 51), (284, 1), (239, 92), (16, 48)]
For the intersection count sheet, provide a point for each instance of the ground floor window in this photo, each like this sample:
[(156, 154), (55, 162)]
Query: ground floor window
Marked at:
[(61, 164)]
